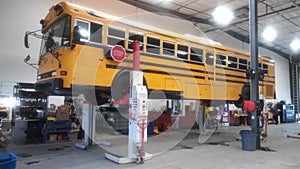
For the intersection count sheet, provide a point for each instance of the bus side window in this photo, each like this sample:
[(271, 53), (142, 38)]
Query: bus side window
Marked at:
[(84, 29), (168, 48), (135, 36), (182, 52), (116, 36), (232, 62), (196, 54), (265, 69), (96, 33), (243, 64), (209, 58), (221, 59), (153, 45)]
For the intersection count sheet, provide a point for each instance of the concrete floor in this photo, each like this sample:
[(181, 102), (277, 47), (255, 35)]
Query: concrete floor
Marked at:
[(220, 150)]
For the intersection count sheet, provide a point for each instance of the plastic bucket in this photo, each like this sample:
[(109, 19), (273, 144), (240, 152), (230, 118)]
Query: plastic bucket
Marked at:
[(8, 161), (248, 140)]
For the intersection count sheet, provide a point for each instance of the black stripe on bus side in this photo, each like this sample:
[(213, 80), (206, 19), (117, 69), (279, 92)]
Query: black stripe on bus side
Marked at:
[(155, 71), (173, 67), (117, 67), (194, 62), (243, 71), (270, 76), (174, 74), (227, 75), (169, 58), (224, 80), (269, 81), (232, 69), (168, 66), (218, 79)]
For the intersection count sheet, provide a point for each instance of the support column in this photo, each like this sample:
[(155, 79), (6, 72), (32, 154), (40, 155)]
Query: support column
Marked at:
[(254, 88)]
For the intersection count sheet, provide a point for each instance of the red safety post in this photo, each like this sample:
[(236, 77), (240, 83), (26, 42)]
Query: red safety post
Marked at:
[(136, 55), (136, 67)]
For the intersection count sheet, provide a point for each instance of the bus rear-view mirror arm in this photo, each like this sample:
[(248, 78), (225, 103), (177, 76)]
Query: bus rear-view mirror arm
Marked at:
[(33, 33), (26, 60)]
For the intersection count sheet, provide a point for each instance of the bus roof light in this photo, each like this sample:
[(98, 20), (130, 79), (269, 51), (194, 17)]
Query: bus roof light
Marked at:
[(58, 9), (42, 21)]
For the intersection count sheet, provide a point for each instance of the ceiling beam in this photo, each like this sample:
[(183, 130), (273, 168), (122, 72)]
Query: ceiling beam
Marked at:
[(152, 8), (243, 38)]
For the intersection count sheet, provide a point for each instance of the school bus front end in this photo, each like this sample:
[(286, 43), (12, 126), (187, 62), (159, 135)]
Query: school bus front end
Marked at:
[(63, 62)]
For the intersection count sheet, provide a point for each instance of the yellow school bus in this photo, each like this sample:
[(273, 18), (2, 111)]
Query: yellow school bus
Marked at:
[(75, 52)]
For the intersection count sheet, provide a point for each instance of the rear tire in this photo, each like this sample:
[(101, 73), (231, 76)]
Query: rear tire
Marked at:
[(120, 85)]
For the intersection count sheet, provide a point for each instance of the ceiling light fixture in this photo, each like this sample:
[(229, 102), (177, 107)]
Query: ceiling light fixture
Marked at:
[(295, 44), (223, 15), (269, 34)]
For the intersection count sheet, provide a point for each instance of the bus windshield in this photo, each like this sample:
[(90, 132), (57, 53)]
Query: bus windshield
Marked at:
[(60, 32)]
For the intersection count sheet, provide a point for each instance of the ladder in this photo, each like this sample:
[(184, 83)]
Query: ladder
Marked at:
[(295, 86)]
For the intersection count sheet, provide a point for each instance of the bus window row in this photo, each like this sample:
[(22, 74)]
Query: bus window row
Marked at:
[(93, 32)]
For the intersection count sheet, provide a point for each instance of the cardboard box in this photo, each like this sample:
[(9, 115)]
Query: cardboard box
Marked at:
[(62, 114)]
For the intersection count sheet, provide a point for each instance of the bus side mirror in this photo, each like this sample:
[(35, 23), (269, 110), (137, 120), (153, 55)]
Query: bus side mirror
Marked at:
[(76, 36), (26, 40)]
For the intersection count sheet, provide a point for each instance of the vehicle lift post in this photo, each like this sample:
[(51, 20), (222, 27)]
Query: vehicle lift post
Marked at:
[(138, 115)]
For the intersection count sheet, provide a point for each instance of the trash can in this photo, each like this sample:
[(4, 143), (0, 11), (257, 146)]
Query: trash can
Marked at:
[(8, 161), (248, 140)]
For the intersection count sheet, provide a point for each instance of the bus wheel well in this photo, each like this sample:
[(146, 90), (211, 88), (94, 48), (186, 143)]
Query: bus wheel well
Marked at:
[(120, 85)]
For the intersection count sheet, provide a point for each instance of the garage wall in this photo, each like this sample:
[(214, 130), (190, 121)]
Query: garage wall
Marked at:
[(19, 16)]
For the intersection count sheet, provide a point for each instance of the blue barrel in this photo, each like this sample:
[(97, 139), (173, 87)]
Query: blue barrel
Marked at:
[(248, 140)]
